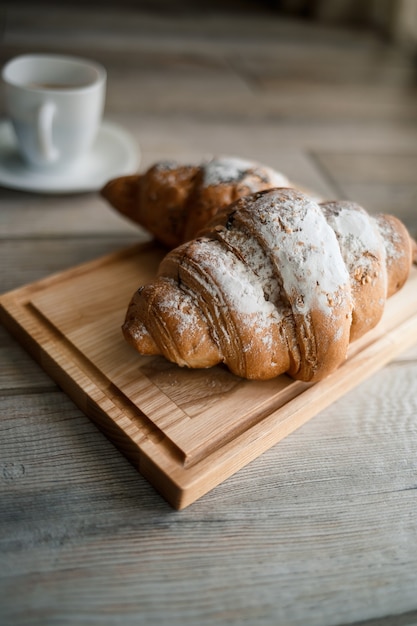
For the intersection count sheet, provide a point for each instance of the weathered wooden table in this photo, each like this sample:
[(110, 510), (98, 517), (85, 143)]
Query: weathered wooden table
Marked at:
[(321, 529)]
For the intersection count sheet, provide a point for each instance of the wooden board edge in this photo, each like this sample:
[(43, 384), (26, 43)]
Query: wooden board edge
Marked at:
[(110, 428)]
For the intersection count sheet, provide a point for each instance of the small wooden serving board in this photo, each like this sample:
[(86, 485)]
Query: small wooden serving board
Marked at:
[(185, 430)]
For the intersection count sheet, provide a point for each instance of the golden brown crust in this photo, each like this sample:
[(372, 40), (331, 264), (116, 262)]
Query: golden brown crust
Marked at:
[(123, 191), (414, 250), (276, 283), (175, 319), (173, 202), (398, 249), (364, 257)]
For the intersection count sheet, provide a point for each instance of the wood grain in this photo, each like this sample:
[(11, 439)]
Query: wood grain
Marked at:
[(320, 521)]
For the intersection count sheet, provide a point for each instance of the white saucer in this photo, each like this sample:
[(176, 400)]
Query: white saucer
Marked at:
[(113, 154)]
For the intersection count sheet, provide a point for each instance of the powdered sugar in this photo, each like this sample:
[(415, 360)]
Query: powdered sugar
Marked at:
[(358, 237), (253, 255), (233, 169), (232, 279), (181, 306), (391, 240), (304, 249), (138, 330)]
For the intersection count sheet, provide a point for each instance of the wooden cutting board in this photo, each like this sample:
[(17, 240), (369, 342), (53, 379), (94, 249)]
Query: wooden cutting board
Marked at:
[(185, 430)]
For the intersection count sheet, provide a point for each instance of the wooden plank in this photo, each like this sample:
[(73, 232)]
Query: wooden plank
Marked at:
[(185, 430)]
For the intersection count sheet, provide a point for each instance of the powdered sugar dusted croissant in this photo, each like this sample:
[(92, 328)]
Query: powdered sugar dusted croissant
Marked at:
[(277, 283), (174, 201)]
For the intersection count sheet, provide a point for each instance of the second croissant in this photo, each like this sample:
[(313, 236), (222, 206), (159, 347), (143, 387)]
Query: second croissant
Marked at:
[(172, 202)]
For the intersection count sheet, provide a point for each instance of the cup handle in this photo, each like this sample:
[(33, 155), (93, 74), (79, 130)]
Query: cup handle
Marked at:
[(46, 114)]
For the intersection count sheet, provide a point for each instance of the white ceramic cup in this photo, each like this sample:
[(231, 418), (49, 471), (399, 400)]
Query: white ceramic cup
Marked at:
[(55, 104)]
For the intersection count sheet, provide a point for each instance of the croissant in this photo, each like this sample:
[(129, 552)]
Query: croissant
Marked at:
[(174, 201), (276, 283)]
